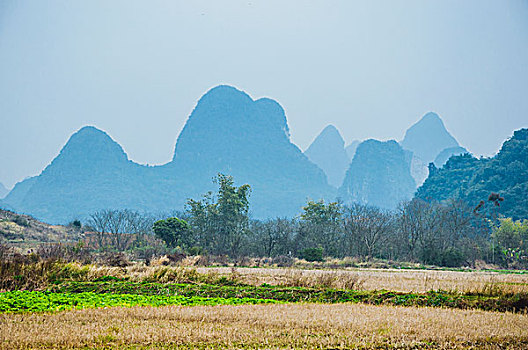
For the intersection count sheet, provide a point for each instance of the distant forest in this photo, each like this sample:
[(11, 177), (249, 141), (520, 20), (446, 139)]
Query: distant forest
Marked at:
[(448, 233)]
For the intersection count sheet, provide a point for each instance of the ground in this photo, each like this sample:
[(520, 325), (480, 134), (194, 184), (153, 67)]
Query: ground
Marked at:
[(286, 325)]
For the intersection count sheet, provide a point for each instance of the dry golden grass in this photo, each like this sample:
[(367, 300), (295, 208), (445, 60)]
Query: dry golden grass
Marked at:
[(389, 279), (266, 326), (485, 282)]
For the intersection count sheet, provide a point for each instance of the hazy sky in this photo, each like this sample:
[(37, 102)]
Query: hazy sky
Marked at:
[(371, 68)]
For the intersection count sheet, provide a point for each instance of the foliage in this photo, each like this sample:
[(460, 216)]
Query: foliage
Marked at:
[(312, 254), (21, 221), (320, 220), (173, 231), (466, 178), (222, 224), (511, 239), (123, 293), (34, 301)]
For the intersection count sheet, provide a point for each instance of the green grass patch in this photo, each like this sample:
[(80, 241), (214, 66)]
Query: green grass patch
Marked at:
[(35, 301), (513, 302)]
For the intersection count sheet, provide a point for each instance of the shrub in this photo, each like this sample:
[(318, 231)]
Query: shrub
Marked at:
[(312, 254), (76, 224), (21, 221)]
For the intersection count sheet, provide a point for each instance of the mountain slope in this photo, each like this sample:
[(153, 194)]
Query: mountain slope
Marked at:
[(351, 149), (229, 132), (379, 175), (428, 137), (327, 151), (91, 172), (17, 194), (3, 191), (470, 179)]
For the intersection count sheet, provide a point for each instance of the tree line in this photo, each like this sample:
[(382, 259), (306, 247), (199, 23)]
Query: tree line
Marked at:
[(450, 233)]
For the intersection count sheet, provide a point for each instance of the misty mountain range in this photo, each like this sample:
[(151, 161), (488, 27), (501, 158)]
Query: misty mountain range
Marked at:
[(229, 132)]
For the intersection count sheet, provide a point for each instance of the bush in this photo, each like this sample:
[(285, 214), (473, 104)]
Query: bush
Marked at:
[(453, 257), (76, 224), (312, 254), (194, 251), (21, 221)]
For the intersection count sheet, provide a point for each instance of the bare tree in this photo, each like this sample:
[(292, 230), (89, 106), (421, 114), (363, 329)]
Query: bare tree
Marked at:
[(367, 228), (100, 221)]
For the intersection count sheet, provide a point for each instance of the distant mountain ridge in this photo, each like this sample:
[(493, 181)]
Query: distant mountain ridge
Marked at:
[(327, 151), (427, 139), (227, 132), (351, 149), (379, 175), (249, 139)]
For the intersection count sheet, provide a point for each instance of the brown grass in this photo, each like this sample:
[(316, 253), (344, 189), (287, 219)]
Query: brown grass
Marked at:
[(376, 279), (266, 326)]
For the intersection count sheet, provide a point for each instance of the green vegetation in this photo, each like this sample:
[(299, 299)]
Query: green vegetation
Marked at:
[(33, 284), (173, 231), (35, 301), (473, 180), (74, 294), (511, 239), (221, 226)]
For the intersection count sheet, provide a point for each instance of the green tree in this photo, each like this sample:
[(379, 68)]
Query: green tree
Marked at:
[(173, 231), (223, 224), (511, 238), (323, 226)]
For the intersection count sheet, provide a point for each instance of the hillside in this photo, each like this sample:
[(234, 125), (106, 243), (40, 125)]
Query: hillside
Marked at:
[(25, 232), (91, 172), (468, 178), (379, 175), (327, 151)]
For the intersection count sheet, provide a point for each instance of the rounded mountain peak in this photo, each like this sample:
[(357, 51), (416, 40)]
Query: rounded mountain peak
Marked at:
[(224, 93), (230, 118), (92, 143)]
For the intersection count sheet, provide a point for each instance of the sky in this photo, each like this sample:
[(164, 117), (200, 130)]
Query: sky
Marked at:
[(372, 68)]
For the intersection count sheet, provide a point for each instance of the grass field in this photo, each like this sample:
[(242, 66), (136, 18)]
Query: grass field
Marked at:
[(140, 307), (388, 279), (306, 326)]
